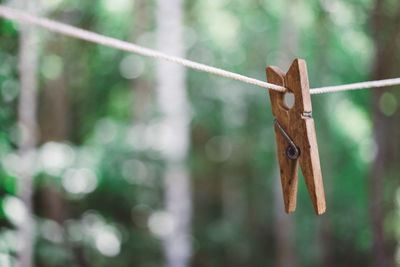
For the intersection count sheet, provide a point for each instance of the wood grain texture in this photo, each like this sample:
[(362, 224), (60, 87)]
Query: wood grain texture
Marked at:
[(288, 167), (300, 127)]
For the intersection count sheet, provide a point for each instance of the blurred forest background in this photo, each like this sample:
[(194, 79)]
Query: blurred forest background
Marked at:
[(113, 159)]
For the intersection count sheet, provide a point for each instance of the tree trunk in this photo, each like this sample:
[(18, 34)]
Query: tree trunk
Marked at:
[(142, 93), (27, 106), (283, 229), (386, 33), (54, 118), (175, 132), (54, 108), (283, 222), (325, 235)]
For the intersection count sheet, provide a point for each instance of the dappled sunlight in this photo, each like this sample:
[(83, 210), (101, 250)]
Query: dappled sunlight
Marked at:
[(10, 163), (225, 30), (55, 157), (51, 231), (9, 90), (353, 122), (162, 224), (388, 103), (140, 133), (107, 241), (105, 237), (79, 181), (6, 260), (340, 11), (52, 67), (131, 67), (136, 172), (117, 6), (106, 131), (50, 4), (225, 26), (15, 210)]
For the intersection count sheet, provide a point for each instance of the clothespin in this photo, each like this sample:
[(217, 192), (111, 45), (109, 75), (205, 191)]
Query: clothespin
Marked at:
[(295, 136)]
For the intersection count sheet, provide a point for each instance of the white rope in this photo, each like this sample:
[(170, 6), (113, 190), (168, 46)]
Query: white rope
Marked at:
[(71, 31), (78, 33), (355, 86)]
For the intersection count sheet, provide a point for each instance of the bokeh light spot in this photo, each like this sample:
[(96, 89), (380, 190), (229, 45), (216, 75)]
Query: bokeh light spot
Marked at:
[(14, 209), (9, 90), (218, 149), (388, 103), (79, 181), (117, 5), (107, 242), (55, 157), (52, 67), (131, 67), (51, 230), (161, 223), (5, 260)]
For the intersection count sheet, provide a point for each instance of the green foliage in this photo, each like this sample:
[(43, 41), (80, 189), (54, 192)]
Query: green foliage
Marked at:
[(116, 169)]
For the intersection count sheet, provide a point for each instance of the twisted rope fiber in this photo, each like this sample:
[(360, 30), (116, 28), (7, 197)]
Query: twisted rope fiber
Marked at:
[(355, 86), (78, 33), (71, 31)]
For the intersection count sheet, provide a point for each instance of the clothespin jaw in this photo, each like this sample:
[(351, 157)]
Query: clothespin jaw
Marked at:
[(295, 136)]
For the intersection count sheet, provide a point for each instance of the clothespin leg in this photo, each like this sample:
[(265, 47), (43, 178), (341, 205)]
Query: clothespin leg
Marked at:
[(310, 166), (288, 172), (288, 167), (303, 132)]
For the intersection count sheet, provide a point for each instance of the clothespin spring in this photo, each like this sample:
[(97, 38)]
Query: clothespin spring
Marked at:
[(292, 152)]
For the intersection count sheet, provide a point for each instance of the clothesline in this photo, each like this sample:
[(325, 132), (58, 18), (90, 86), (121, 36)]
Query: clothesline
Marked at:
[(65, 29)]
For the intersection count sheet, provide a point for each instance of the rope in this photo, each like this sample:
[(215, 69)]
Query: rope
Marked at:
[(71, 31), (355, 86), (78, 33)]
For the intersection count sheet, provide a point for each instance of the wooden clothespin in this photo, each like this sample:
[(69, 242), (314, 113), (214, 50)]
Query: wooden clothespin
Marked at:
[(295, 136)]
